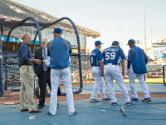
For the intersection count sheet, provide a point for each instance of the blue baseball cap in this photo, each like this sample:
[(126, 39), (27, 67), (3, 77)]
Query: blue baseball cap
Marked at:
[(131, 41), (98, 42), (115, 43), (58, 30)]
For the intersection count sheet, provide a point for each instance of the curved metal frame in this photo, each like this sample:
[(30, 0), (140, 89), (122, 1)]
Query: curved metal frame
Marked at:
[(79, 49), (38, 33), (22, 22)]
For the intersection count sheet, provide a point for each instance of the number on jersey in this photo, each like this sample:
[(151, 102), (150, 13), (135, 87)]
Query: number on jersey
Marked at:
[(110, 56)]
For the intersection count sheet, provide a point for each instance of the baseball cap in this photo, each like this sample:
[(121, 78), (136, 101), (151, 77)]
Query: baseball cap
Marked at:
[(131, 41), (58, 30), (98, 42), (115, 43)]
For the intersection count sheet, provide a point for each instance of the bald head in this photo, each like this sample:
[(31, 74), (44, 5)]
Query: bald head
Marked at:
[(26, 38), (44, 43)]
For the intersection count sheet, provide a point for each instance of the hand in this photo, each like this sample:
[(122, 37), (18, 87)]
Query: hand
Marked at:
[(123, 73), (101, 73), (37, 61)]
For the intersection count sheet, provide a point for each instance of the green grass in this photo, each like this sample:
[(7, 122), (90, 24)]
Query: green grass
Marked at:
[(150, 81)]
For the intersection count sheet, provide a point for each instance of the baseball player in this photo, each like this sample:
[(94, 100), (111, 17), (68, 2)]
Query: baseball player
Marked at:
[(113, 56), (97, 70), (137, 61), (60, 51)]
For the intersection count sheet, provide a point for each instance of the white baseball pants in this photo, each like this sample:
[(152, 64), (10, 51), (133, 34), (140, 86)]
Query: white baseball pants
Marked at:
[(112, 72), (141, 79), (58, 75), (98, 85)]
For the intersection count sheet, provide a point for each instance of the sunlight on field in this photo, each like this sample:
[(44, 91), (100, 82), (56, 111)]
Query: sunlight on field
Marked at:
[(150, 80)]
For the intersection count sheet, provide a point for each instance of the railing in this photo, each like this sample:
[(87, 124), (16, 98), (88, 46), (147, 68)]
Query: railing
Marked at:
[(164, 75)]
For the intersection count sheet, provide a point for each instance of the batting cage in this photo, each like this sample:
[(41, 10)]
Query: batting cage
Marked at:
[(10, 77)]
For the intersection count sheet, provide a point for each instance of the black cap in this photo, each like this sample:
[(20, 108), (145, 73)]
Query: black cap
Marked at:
[(131, 41), (58, 30), (98, 42), (115, 43)]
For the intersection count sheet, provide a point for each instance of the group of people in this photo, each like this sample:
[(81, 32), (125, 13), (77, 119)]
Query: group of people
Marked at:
[(51, 63), (106, 69)]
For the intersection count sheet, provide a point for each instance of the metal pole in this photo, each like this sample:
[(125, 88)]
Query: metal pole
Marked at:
[(145, 30), (164, 75), (1, 72)]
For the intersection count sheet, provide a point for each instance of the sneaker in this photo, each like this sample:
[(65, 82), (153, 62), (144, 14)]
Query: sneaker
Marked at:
[(105, 99), (147, 100), (34, 111), (114, 103), (23, 110), (48, 113), (128, 103), (133, 99), (73, 113), (94, 100)]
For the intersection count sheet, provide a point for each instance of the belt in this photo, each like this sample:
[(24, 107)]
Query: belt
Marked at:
[(25, 65), (113, 64)]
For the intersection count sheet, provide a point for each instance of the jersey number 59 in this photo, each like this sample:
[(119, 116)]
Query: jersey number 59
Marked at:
[(110, 56)]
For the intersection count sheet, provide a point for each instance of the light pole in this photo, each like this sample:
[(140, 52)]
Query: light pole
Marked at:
[(145, 29)]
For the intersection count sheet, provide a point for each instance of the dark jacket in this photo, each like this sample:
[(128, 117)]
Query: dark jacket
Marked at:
[(38, 68)]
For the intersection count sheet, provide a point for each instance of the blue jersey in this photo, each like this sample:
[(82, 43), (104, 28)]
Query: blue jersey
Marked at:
[(113, 55), (59, 51), (96, 57), (138, 59)]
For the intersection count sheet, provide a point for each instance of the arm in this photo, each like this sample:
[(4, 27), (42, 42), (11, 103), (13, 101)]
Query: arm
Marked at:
[(25, 57), (69, 46), (129, 59), (24, 54), (123, 58), (146, 57), (123, 67), (101, 68), (101, 65)]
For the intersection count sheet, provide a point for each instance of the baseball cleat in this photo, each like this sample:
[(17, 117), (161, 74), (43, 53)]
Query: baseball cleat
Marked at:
[(133, 99), (114, 103), (94, 100), (105, 99), (147, 100), (50, 114), (73, 113), (128, 103)]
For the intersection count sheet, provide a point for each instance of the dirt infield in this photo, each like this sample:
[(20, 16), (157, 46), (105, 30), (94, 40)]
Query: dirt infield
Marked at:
[(10, 98)]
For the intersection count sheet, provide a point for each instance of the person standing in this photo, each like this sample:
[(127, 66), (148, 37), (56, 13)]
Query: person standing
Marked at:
[(97, 70), (137, 61), (26, 61), (113, 56), (43, 73), (60, 51)]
